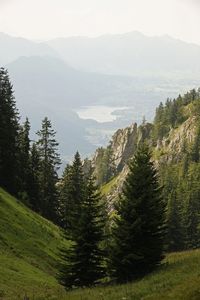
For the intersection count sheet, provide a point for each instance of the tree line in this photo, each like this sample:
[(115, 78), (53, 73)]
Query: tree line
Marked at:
[(173, 113), (28, 169)]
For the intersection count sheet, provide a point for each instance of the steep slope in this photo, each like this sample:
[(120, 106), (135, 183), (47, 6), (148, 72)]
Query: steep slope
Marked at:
[(173, 137), (29, 248)]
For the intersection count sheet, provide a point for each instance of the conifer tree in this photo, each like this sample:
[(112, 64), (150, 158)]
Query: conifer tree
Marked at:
[(9, 130), (76, 192), (175, 238), (34, 183), (24, 161), (83, 262), (65, 197), (192, 209), (49, 164), (195, 151), (138, 234)]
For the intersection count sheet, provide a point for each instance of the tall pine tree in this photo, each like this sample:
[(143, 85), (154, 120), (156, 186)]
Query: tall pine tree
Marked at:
[(175, 232), (9, 131), (24, 162), (83, 263), (73, 192), (138, 234), (65, 197), (34, 179), (49, 164)]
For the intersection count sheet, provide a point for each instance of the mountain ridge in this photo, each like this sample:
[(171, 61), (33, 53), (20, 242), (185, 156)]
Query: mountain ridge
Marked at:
[(128, 54), (171, 148)]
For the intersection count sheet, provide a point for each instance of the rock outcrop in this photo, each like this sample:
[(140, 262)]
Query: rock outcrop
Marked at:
[(168, 150)]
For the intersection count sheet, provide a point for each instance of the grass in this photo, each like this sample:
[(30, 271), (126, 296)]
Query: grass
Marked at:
[(29, 256), (106, 188), (177, 279), (28, 251)]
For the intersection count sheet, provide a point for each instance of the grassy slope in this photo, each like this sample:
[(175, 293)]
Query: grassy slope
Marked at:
[(106, 188), (178, 279), (28, 258), (28, 251)]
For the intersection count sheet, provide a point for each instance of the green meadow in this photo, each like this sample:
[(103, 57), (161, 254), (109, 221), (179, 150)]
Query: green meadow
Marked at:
[(29, 248)]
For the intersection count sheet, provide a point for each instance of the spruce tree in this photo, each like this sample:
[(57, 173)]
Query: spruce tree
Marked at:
[(34, 179), (65, 197), (175, 239), (9, 130), (76, 193), (83, 261), (191, 211), (24, 162), (138, 234), (195, 151), (49, 164), (192, 221)]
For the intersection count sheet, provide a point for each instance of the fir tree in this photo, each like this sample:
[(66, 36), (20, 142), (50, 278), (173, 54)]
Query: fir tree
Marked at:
[(24, 161), (65, 197), (83, 262), (139, 229), (76, 192), (192, 223), (195, 154), (34, 183), (49, 164), (192, 209), (175, 240), (9, 130)]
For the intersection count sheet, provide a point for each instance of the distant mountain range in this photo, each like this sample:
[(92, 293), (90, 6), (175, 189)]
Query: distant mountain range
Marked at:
[(14, 47), (58, 77), (130, 54)]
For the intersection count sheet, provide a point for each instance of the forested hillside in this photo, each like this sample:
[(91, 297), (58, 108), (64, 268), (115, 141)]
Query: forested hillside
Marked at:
[(174, 138)]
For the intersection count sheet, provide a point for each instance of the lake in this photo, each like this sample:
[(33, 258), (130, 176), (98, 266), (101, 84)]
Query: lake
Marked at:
[(100, 113)]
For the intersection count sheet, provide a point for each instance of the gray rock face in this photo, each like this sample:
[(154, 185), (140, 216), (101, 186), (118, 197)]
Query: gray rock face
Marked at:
[(123, 145), (168, 150), (172, 147)]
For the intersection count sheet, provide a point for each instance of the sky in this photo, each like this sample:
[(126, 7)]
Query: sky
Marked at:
[(47, 19)]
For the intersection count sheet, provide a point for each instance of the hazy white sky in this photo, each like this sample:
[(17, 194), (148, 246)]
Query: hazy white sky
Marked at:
[(45, 19)]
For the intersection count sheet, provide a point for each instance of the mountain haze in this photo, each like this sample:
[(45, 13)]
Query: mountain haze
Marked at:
[(14, 47), (62, 76), (130, 54)]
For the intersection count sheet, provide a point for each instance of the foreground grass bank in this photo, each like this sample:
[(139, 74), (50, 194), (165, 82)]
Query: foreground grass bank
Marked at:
[(178, 279), (29, 257), (28, 251)]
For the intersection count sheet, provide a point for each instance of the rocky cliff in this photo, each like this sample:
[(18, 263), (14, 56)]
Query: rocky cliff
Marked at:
[(170, 149), (111, 160)]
